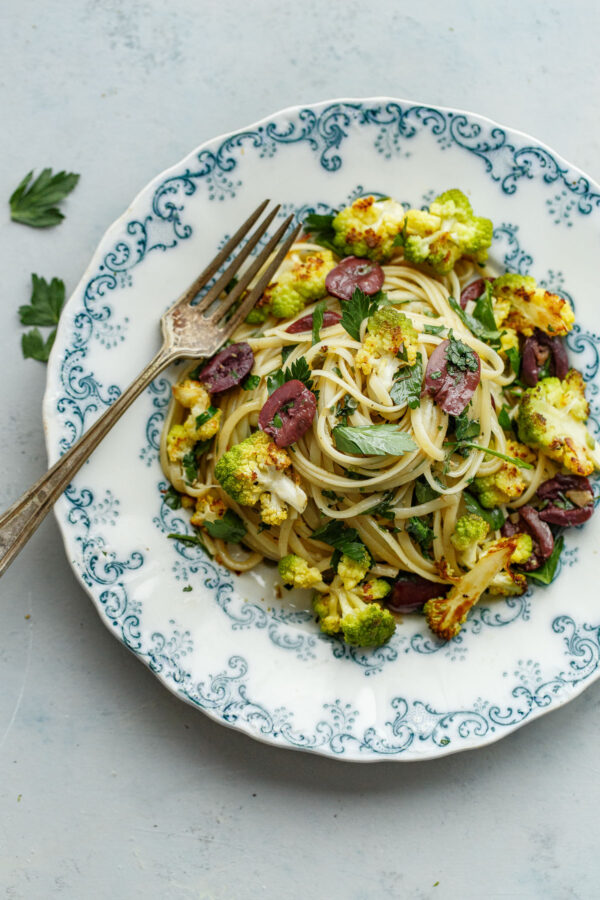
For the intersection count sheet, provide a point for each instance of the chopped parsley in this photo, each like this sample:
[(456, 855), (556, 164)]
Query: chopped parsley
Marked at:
[(343, 538), (407, 386)]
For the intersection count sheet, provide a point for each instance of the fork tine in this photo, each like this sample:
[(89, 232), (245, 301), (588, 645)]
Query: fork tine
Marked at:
[(250, 273), (258, 289), (220, 285), (220, 258)]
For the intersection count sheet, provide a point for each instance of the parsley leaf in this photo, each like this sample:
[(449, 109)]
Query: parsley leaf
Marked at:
[(172, 498), (300, 371), (35, 202), (424, 492), (191, 539), (359, 307), (465, 428), (228, 528), (317, 321), (321, 230), (459, 357), (420, 530), (407, 386), (34, 346), (345, 407), (343, 538), (475, 325), (546, 573), (494, 517), (191, 460), (514, 358), (377, 440), (504, 419), (46, 302), (383, 508), (274, 380), (206, 416), (251, 383), (433, 329), (285, 352)]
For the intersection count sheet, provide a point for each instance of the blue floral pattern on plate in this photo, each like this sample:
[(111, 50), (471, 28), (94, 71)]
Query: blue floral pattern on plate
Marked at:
[(217, 651)]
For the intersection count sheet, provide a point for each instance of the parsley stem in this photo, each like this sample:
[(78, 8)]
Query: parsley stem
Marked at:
[(519, 463)]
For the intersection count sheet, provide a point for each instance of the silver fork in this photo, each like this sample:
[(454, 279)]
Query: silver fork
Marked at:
[(191, 331)]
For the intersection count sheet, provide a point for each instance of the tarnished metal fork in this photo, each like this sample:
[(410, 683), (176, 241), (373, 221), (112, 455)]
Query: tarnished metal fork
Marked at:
[(189, 330)]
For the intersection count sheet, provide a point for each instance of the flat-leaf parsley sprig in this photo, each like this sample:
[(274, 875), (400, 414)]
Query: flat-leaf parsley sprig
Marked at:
[(35, 202), (44, 309)]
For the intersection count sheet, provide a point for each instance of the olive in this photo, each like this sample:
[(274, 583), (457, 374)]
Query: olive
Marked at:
[(537, 350), (352, 273), (450, 384), (473, 291), (288, 413), (306, 322), (409, 593), (228, 368)]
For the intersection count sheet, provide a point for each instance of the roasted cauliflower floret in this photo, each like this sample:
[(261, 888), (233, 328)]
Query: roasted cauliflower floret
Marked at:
[(551, 418), (209, 508), (296, 570), (202, 423), (521, 305), (355, 613), (301, 283), (368, 227), (391, 342), (508, 482), (439, 238), (446, 615), (508, 583), (257, 471)]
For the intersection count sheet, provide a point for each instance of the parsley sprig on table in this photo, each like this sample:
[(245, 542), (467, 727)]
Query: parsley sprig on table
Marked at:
[(43, 309), (34, 202)]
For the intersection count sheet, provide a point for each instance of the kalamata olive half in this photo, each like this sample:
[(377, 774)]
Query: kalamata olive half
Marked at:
[(228, 368), (352, 273), (288, 413), (556, 515), (409, 593), (574, 489), (473, 291), (530, 523), (452, 381), (330, 317), (538, 349), (560, 484)]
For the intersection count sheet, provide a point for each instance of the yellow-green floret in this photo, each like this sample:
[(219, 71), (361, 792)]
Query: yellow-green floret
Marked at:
[(551, 418), (439, 238), (301, 283), (209, 508), (508, 482), (355, 613), (295, 570), (202, 423), (469, 529), (446, 615), (519, 304), (390, 343), (368, 227), (258, 472), (352, 571)]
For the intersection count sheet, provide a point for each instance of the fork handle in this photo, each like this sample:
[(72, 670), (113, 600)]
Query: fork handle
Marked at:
[(20, 521)]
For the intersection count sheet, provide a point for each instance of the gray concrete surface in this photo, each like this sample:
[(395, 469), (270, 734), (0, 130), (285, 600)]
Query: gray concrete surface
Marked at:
[(109, 786)]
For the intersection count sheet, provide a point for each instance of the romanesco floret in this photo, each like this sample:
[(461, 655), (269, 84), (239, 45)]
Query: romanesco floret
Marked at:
[(469, 529), (209, 508), (551, 418), (352, 571), (508, 482), (202, 423), (295, 570), (368, 227), (391, 342), (301, 283), (521, 305), (508, 583), (439, 238), (257, 471), (355, 613), (446, 615)]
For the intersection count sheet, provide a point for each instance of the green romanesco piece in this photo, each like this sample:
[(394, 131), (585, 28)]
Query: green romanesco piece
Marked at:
[(508, 482), (520, 305), (257, 472), (469, 529), (301, 283), (296, 570), (437, 239)]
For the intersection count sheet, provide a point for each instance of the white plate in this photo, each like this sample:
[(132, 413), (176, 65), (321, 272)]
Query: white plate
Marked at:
[(229, 646)]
